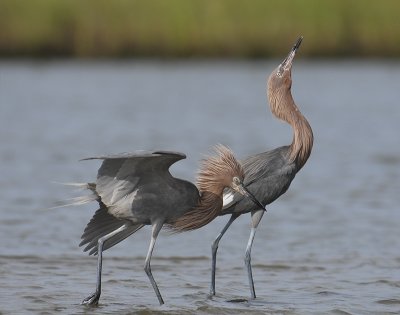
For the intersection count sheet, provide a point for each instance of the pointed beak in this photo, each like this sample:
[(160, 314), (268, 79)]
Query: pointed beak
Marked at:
[(287, 62), (242, 190)]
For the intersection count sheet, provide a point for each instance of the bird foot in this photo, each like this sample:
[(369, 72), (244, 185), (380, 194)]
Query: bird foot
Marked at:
[(92, 299)]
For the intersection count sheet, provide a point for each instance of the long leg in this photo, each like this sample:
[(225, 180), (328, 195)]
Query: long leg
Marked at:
[(154, 233), (256, 217), (214, 248), (93, 299)]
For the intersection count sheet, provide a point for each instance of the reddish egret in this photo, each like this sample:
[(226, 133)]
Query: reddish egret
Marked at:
[(268, 175), (137, 189)]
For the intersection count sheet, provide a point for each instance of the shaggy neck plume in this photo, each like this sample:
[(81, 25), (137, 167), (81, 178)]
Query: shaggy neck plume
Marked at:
[(215, 174), (208, 208)]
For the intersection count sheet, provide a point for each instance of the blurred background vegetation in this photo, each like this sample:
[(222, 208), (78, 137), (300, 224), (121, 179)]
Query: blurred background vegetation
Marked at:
[(198, 28)]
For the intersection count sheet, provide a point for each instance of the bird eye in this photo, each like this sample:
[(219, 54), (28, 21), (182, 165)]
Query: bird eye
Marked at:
[(280, 71), (236, 180)]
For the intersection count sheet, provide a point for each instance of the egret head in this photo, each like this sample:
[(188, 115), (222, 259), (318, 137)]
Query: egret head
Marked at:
[(220, 171), (223, 171), (216, 173), (282, 75)]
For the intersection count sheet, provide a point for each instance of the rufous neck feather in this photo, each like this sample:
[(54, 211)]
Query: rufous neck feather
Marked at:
[(215, 174), (284, 108)]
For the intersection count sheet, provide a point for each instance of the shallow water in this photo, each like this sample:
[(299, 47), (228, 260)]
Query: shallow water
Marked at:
[(329, 245)]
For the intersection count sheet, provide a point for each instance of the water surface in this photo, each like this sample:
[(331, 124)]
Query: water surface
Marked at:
[(330, 245)]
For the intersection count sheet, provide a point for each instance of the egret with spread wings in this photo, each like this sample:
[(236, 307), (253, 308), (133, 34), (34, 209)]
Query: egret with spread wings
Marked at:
[(137, 189)]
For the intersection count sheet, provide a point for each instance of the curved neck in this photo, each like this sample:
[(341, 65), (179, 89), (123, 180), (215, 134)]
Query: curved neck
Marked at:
[(284, 108), (215, 174), (208, 208)]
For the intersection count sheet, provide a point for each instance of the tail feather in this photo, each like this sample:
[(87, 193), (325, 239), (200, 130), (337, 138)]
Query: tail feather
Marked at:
[(117, 238), (101, 224), (92, 235), (90, 186), (78, 185), (81, 200), (99, 228)]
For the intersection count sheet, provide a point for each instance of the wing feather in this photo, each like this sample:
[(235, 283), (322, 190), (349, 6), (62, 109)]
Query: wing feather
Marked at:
[(119, 175), (101, 224)]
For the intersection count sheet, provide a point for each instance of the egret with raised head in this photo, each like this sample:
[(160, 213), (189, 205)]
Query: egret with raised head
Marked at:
[(268, 175)]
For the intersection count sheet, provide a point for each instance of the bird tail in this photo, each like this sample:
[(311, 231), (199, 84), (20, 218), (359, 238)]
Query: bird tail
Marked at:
[(77, 201), (102, 224)]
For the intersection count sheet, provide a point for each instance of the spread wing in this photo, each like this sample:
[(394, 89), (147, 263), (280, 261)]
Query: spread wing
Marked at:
[(120, 174), (117, 180)]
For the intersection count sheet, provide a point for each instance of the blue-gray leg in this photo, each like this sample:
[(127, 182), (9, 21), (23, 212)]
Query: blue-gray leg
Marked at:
[(256, 217), (154, 233), (214, 248), (93, 299)]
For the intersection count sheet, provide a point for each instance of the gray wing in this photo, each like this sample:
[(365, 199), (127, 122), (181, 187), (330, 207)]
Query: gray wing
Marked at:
[(116, 182), (120, 174)]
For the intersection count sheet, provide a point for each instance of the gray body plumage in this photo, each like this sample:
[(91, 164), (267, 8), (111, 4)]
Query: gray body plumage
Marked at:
[(268, 175), (136, 189)]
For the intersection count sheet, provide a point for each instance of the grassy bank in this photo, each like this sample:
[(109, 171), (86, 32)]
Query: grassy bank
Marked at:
[(186, 28)]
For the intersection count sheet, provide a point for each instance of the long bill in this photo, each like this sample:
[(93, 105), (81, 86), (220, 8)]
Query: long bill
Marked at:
[(287, 62), (249, 195)]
